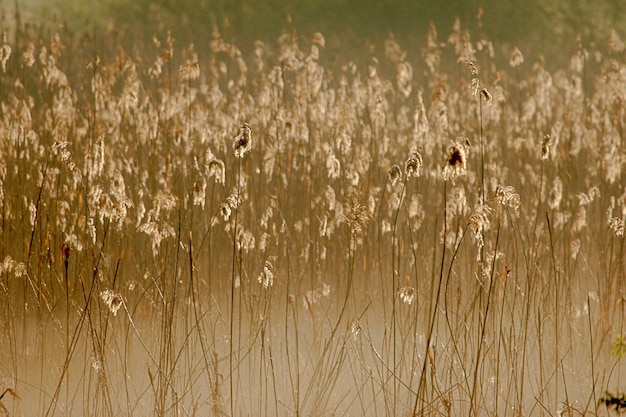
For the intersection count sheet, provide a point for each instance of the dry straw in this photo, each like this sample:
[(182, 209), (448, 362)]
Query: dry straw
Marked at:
[(129, 161)]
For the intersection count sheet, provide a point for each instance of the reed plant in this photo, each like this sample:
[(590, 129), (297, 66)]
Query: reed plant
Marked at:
[(278, 229)]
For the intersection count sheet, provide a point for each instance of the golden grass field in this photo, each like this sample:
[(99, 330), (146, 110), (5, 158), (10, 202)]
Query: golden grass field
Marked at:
[(267, 230)]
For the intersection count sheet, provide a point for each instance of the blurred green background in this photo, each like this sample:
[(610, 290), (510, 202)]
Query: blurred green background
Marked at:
[(546, 27)]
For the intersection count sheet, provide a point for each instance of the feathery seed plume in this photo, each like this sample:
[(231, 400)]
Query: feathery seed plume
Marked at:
[(243, 142), (266, 278), (215, 168), (357, 215), (456, 162), (546, 147), (112, 300), (486, 95), (5, 54), (516, 59), (479, 223), (413, 165), (556, 194), (395, 174), (508, 197), (617, 226), (407, 294)]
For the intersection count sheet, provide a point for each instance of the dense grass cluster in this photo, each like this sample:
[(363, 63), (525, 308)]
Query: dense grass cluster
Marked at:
[(197, 230)]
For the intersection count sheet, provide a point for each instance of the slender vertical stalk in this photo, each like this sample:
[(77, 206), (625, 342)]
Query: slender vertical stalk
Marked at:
[(482, 149), (394, 280), (591, 354), (422, 384), (66, 257), (290, 303), (232, 290), (556, 307), (473, 405)]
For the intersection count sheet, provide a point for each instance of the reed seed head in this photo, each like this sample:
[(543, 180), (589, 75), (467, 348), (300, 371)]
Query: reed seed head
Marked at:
[(112, 300), (486, 95), (225, 211), (243, 142), (508, 197), (479, 223), (556, 194), (395, 174), (413, 165), (475, 87), (190, 70), (357, 215), (617, 226), (215, 168), (472, 67), (5, 54), (407, 294), (546, 146), (516, 59), (266, 278), (456, 162)]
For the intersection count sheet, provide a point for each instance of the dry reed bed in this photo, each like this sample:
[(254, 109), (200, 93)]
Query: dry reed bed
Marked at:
[(276, 233)]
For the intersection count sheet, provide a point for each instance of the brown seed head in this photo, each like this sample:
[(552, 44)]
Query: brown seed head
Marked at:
[(243, 142), (413, 165), (395, 174), (456, 163)]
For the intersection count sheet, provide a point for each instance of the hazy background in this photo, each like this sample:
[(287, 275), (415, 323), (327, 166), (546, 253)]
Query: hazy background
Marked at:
[(536, 26)]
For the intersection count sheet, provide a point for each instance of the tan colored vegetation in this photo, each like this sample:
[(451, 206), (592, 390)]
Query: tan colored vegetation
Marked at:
[(194, 230)]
